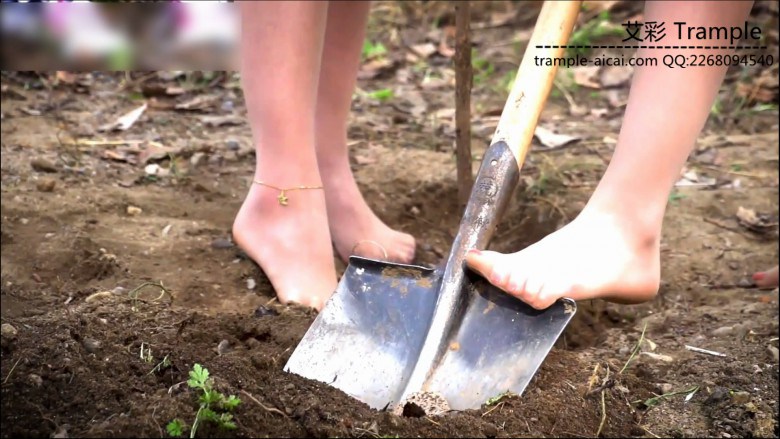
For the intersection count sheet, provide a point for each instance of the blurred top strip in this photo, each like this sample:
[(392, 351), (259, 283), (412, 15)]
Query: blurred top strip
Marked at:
[(84, 35)]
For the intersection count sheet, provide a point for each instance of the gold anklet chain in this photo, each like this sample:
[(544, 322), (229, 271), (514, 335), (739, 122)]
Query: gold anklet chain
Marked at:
[(282, 198)]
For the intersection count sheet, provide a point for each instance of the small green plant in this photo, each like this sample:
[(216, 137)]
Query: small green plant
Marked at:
[(175, 428), (162, 365), (675, 196), (214, 406), (496, 399), (594, 29), (482, 67), (373, 50), (384, 94)]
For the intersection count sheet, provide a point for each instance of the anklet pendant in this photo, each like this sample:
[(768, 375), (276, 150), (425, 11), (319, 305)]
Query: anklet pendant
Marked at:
[(282, 198)]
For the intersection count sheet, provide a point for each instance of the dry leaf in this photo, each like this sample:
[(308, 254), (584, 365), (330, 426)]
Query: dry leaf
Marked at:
[(586, 76), (364, 160), (155, 151), (552, 140), (690, 178), (217, 121), (66, 77), (199, 103), (126, 121), (424, 50), (444, 48), (613, 76), (752, 221), (110, 154), (375, 67)]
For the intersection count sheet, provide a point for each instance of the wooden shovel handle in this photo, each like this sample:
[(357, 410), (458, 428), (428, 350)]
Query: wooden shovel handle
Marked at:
[(532, 83)]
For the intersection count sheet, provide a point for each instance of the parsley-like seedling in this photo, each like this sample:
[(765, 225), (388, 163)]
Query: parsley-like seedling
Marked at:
[(214, 406)]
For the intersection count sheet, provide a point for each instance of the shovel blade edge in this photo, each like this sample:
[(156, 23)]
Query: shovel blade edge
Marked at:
[(368, 336)]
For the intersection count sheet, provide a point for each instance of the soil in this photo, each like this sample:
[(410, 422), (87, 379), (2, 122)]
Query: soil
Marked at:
[(84, 225)]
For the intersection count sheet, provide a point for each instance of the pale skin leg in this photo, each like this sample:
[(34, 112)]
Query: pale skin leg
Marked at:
[(281, 52), (353, 226), (298, 98), (612, 249)]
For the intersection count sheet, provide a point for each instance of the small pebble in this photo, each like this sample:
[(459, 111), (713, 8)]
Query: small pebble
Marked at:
[(251, 284), (119, 291), (232, 145), (227, 106), (221, 243), (46, 184), (223, 347), (414, 210), (196, 159), (133, 211), (152, 169), (91, 345), (774, 354), (8, 331), (734, 265), (263, 311), (665, 388), (744, 283), (43, 165), (35, 380)]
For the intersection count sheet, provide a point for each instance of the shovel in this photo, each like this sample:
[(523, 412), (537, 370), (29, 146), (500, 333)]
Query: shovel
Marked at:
[(393, 333)]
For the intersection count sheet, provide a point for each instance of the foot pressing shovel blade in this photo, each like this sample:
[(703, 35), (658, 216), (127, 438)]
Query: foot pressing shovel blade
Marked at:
[(392, 332)]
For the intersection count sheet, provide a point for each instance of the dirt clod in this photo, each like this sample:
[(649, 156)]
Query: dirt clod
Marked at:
[(43, 165)]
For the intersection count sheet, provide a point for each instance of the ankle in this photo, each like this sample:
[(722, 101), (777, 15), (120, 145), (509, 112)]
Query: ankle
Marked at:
[(641, 227)]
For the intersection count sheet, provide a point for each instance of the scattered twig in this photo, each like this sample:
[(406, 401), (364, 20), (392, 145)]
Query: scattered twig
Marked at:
[(263, 406), (730, 286), (432, 421), (603, 413), (729, 228), (704, 351), (649, 432), (133, 294), (636, 349), (12, 370), (500, 404), (730, 172)]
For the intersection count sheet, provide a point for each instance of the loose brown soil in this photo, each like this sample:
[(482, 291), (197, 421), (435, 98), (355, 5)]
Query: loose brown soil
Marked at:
[(72, 254)]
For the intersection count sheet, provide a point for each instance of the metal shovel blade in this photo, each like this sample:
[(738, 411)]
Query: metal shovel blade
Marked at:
[(391, 330), (367, 340)]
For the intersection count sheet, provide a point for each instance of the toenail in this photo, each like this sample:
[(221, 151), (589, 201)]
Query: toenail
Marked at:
[(759, 276), (475, 252)]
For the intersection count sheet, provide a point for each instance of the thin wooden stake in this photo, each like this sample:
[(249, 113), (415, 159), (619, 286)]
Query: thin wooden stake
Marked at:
[(463, 79)]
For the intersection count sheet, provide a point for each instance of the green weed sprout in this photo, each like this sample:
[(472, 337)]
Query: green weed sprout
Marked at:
[(214, 406)]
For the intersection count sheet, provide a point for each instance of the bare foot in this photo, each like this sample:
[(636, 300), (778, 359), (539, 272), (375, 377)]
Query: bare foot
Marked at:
[(290, 243), (595, 256), (354, 227), (766, 280)]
